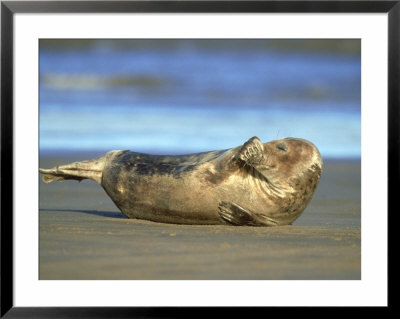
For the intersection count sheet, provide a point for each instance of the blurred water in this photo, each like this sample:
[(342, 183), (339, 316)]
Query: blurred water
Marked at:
[(187, 97)]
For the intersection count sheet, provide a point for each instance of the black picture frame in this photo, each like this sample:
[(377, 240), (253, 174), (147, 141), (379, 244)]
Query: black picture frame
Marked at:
[(9, 8)]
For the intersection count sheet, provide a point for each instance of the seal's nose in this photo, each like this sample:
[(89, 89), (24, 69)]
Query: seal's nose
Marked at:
[(315, 154), (317, 158)]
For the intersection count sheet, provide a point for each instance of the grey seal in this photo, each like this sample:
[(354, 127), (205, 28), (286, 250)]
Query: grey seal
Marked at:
[(257, 184)]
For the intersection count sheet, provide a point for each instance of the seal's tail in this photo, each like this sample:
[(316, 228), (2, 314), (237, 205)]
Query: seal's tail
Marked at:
[(92, 169)]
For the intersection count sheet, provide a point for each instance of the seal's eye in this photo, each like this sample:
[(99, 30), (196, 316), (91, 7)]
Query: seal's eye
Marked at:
[(282, 147)]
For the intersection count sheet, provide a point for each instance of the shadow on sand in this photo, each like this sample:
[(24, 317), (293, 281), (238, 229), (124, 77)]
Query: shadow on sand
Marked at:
[(91, 212)]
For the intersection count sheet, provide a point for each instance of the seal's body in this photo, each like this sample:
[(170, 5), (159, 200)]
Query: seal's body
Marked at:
[(252, 184)]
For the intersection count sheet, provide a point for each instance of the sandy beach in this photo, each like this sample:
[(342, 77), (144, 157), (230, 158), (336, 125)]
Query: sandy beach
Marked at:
[(83, 235)]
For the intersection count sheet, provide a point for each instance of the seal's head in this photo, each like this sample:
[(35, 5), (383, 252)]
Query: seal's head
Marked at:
[(291, 161)]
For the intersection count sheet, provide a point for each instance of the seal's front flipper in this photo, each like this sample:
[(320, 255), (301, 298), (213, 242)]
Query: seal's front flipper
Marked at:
[(236, 215), (252, 152)]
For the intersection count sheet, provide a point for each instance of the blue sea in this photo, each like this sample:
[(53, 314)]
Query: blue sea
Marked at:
[(177, 97)]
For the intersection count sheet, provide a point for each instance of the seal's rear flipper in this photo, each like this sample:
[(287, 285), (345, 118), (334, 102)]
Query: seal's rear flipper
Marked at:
[(92, 169), (236, 215), (51, 175)]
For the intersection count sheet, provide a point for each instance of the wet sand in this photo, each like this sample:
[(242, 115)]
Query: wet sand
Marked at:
[(83, 235)]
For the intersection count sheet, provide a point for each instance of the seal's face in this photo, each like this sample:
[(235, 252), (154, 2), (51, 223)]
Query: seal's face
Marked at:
[(289, 158)]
